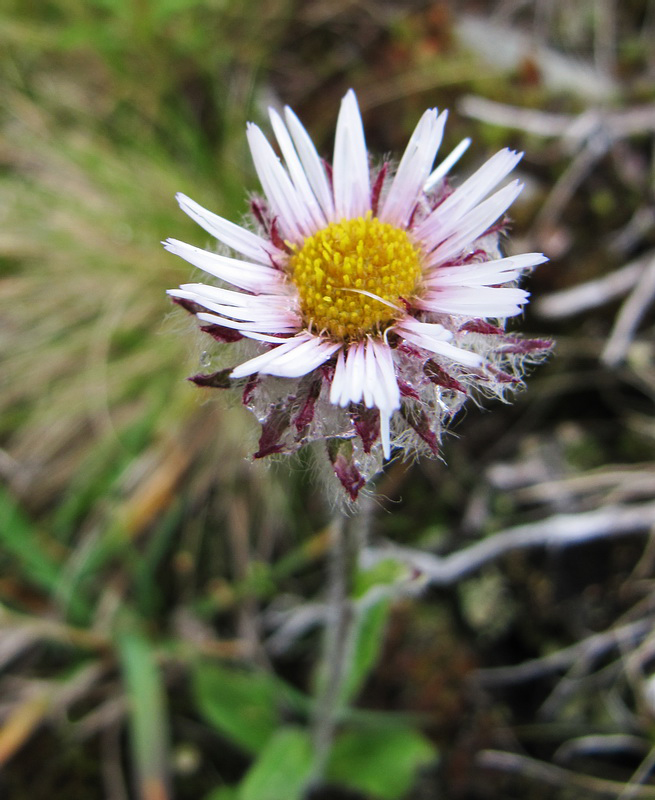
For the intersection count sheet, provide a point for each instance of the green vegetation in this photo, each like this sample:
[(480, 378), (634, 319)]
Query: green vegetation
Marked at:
[(161, 593)]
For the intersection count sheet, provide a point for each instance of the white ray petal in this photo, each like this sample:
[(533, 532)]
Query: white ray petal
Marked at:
[(433, 337), (446, 217), (260, 362), (264, 337), (354, 375), (359, 368), (447, 164), (285, 319), (296, 171), (338, 386), (432, 329), (386, 394), (244, 274), (352, 190), (488, 273), (370, 377), (292, 216), (414, 168), (220, 295), (484, 301), (234, 236), (301, 360), (475, 223), (291, 359), (260, 327), (385, 432), (312, 164)]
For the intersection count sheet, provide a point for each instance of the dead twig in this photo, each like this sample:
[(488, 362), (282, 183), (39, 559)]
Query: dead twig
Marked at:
[(585, 651), (574, 129), (592, 294), (558, 776), (629, 317), (560, 530)]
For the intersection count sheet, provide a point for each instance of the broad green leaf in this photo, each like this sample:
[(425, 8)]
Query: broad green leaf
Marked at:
[(242, 705), (381, 763), (283, 768)]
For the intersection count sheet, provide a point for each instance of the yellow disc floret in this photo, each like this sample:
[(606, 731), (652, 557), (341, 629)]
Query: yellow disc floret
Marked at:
[(352, 275)]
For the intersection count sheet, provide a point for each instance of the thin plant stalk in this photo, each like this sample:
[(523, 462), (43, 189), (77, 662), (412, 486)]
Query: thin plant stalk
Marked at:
[(347, 535)]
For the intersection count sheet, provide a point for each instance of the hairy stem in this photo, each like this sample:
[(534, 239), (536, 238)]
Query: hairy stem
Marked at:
[(347, 535)]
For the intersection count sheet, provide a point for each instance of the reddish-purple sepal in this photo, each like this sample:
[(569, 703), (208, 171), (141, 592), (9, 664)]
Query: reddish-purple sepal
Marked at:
[(341, 455)]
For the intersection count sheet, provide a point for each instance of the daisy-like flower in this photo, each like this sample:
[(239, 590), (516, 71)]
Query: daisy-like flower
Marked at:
[(371, 301)]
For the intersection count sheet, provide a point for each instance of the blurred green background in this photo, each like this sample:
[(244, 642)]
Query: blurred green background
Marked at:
[(158, 589)]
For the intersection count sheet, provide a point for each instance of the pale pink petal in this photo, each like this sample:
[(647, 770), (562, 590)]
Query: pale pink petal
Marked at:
[(352, 190), (355, 375), (303, 359), (292, 359), (244, 274), (385, 432), (479, 301), (474, 224), (446, 165), (385, 391), (370, 377), (414, 169), (432, 329), (260, 362), (286, 204), (234, 236), (434, 337), (488, 273), (359, 368), (367, 372), (265, 337), (263, 326), (312, 164), (296, 171), (284, 319), (337, 388), (445, 219), (220, 295)]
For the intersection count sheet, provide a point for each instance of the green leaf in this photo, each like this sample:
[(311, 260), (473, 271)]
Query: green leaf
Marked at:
[(223, 793), (283, 768), (368, 641), (147, 706), (386, 572), (379, 762), (242, 705), (19, 538)]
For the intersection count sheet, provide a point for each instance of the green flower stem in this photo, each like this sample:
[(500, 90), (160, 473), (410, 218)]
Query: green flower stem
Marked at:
[(347, 536)]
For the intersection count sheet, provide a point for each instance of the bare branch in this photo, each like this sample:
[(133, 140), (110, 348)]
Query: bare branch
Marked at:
[(587, 651), (566, 185), (613, 124), (630, 316), (540, 123), (561, 530), (592, 294), (557, 776)]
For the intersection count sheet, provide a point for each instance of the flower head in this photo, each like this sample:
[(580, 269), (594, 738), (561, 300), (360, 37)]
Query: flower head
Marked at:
[(372, 301)]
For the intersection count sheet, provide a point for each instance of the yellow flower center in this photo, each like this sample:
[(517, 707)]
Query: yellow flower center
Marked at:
[(352, 275)]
